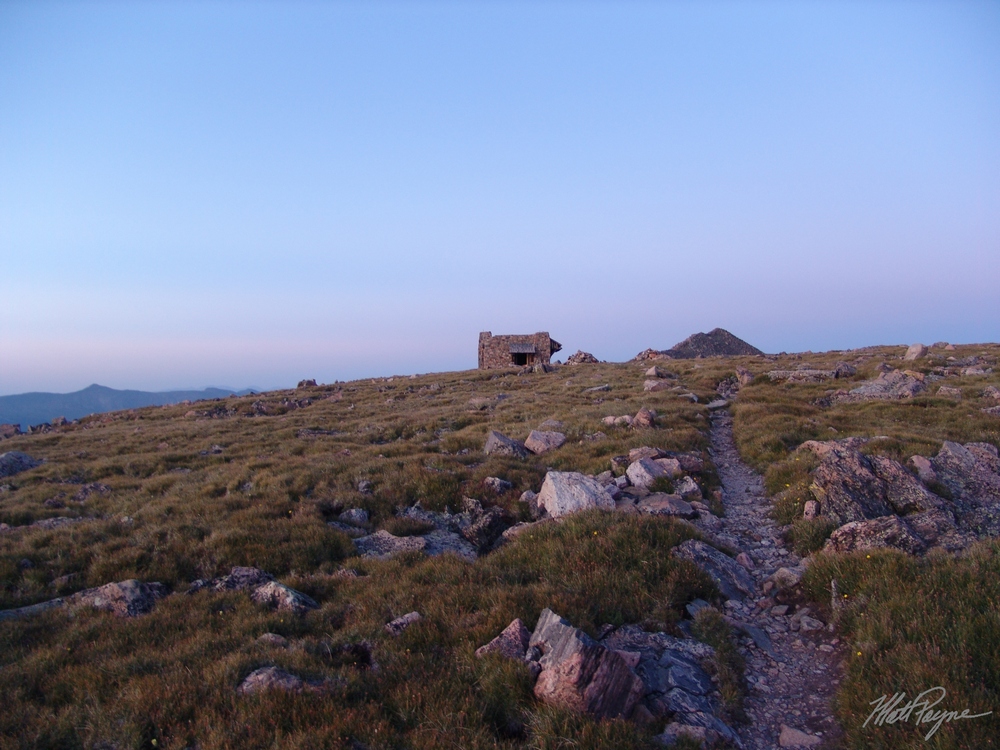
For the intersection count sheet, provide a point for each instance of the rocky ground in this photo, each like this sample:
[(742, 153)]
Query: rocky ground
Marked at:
[(792, 665)]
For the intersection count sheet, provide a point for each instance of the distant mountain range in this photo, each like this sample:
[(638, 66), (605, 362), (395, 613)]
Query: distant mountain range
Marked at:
[(27, 409)]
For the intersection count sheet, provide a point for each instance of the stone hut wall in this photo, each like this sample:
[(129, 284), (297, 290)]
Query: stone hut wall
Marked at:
[(495, 351)]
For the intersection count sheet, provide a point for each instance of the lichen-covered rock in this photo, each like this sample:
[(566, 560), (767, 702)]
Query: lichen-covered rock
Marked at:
[(661, 504), (645, 471), (971, 472), (916, 351), (732, 578), (123, 599), (511, 643), (580, 674), (565, 492), (498, 444), (279, 596), (892, 385), (397, 626), (876, 533), (539, 441), (383, 545), (645, 417)]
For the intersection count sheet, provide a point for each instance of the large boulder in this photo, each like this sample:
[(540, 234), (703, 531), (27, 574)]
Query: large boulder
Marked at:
[(580, 674), (14, 462), (498, 444), (539, 442), (652, 386), (732, 578), (915, 351), (645, 417), (565, 492)]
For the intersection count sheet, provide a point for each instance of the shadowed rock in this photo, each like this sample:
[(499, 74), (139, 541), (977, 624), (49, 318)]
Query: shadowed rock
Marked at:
[(501, 445), (382, 544), (14, 462), (661, 504), (732, 578)]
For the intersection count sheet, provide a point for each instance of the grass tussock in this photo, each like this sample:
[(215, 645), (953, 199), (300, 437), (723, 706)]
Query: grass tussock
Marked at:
[(914, 624)]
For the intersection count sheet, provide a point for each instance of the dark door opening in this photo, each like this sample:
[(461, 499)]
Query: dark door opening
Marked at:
[(520, 359)]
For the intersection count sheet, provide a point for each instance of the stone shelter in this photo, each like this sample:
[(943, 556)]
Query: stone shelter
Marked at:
[(515, 350)]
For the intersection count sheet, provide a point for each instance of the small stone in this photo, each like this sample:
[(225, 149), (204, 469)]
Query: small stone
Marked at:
[(354, 516), (779, 610), (397, 626), (273, 639), (541, 442), (744, 559), (497, 485), (645, 417), (501, 445)]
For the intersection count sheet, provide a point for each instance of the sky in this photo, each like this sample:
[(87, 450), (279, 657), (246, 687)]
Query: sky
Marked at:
[(248, 194)]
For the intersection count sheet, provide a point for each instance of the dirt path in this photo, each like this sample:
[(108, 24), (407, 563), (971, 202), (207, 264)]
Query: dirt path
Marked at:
[(794, 684)]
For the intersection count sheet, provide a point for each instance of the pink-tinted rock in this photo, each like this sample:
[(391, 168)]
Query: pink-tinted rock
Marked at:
[(511, 643)]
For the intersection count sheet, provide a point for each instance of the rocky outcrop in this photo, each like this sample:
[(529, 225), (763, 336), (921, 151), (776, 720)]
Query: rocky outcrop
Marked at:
[(580, 358), (660, 504), (892, 385), (512, 642), (851, 486), (262, 588), (498, 444), (580, 674), (9, 431), (14, 462), (878, 503), (539, 442), (129, 598), (733, 580), (565, 492)]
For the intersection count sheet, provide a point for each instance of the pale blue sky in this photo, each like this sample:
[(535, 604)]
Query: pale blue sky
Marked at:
[(198, 193)]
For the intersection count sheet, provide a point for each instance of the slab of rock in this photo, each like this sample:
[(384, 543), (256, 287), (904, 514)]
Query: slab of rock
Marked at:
[(652, 386), (948, 391), (656, 372), (786, 578), (383, 545), (922, 465), (732, 578), (123, 599), (644, 451), (580, 674), (645, 417), (876, 533), (719, 403), (991, 391), (511, 643), (644, 472), (993, 411), (790, 737), (500, 445), (539, 442), (565, 492), (916, 351), (14, 462), (397, 626), (661, 504)]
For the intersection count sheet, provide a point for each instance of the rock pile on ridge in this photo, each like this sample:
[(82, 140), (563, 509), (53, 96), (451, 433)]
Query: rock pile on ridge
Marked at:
[(716, 343)]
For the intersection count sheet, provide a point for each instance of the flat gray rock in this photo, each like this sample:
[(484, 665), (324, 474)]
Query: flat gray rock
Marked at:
[(14, 462), (565, 492), (732, 578), (498, 444)]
